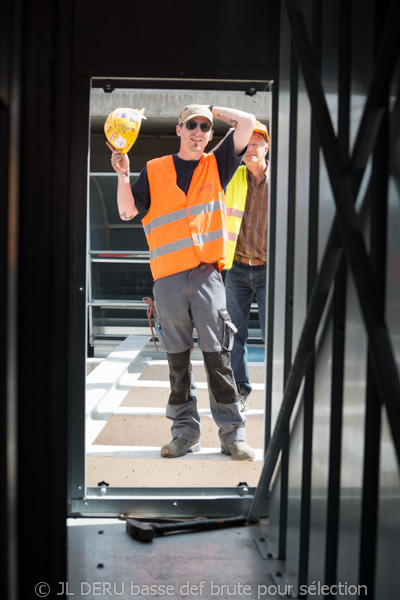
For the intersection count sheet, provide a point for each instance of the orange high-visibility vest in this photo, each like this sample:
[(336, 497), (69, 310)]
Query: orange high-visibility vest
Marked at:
[(184, 230)]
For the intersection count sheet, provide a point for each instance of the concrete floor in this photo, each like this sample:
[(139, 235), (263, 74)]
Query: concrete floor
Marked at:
[(105, 562), (126, 426)]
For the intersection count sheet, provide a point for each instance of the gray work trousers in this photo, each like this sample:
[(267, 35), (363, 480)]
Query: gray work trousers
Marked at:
[(197, 296)]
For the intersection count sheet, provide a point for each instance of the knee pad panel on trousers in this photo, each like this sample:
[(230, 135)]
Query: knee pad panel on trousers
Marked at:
[(221, 379), (180, 377)]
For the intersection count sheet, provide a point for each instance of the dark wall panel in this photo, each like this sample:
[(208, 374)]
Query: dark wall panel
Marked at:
[(178, 38), (50, 50), (342, 498)]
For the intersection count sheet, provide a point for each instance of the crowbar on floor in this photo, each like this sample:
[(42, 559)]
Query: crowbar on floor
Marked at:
[(145, 532)]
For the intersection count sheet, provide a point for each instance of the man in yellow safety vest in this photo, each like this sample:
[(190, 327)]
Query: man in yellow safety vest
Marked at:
[(247, 208)]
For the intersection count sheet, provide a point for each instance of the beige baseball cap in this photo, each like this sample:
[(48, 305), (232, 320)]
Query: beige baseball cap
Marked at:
[(194, 110)]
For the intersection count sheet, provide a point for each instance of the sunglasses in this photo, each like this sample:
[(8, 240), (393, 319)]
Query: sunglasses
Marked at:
[(192, 125)]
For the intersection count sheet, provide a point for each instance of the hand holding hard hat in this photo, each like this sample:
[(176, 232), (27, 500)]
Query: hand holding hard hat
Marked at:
[(119, 161), (122, 128)]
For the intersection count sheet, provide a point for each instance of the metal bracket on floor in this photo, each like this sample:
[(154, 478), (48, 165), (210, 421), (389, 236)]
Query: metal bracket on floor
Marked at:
[(264, 546)]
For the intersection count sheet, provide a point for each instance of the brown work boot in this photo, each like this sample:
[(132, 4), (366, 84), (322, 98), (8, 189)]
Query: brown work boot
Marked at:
[(239, 450), (180, 447)]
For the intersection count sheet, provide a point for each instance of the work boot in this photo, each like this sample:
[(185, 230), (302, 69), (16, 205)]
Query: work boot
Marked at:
[(243, 402), (239, 450), (180, 447)]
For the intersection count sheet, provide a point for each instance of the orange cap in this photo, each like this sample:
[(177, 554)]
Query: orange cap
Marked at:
[(261, 129)]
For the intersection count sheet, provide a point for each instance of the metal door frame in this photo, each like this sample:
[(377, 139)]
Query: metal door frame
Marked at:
[(101, 501)]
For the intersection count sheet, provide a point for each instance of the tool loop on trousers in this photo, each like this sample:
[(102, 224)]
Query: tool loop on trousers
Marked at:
[(151, 310)]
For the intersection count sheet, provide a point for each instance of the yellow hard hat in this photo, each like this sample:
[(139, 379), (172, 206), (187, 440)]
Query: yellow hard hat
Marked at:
[(122, 128)]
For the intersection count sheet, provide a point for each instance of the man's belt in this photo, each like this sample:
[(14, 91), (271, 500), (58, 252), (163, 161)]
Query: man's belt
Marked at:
[(253, 262)]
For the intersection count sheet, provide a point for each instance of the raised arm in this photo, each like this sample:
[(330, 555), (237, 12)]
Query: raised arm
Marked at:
[(242, 122), (125, 199)]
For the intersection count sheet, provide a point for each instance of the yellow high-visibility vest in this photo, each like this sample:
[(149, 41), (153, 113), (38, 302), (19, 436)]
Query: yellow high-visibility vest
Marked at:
[(235, 196)]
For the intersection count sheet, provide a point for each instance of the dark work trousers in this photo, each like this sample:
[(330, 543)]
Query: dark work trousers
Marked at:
[(241, 283), (197, 296)]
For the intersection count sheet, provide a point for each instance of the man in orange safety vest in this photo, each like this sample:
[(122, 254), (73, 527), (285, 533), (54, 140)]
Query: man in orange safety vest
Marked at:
[(186, 230)]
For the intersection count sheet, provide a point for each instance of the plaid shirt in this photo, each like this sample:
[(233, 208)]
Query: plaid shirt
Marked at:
[(252, 240)]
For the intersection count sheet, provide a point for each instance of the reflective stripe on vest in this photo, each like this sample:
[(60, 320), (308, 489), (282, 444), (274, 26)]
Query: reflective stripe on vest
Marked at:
[(184, 230), (236, 193)]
